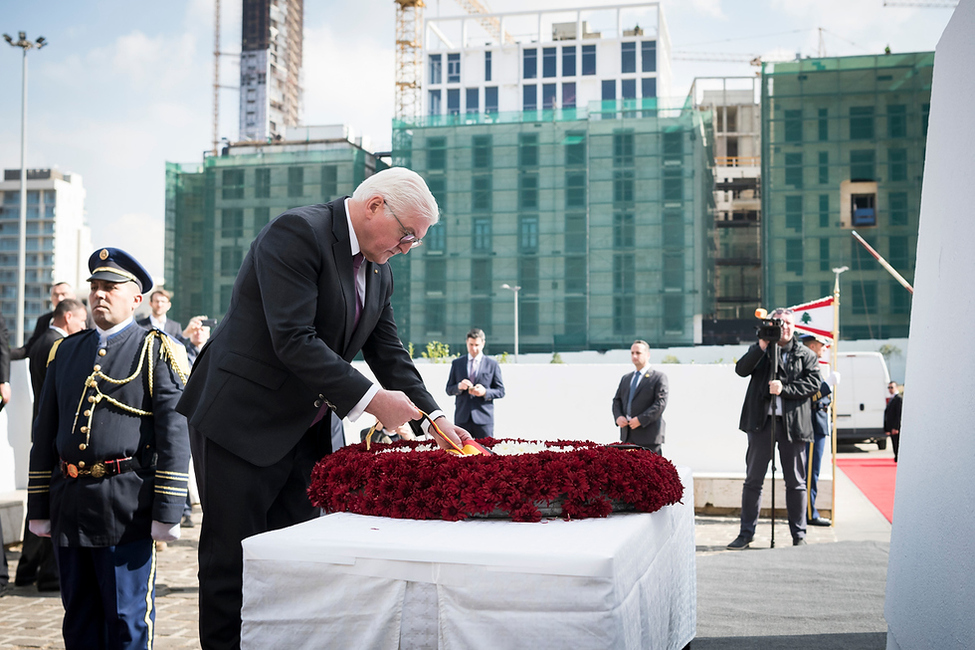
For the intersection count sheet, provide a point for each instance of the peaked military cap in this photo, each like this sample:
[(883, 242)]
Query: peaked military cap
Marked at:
[(115, 265)]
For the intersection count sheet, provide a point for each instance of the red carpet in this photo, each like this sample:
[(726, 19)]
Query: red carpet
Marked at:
[(876, 478)]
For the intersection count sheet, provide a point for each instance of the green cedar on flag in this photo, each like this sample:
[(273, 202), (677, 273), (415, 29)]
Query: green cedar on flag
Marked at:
[(815, 317)]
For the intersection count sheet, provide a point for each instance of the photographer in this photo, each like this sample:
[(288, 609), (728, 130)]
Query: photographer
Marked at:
[(795, 382)]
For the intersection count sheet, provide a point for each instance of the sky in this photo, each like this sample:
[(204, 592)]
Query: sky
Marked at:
[(124, 87)]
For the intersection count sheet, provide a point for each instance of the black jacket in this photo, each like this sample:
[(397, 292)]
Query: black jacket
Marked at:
[(800, 381), (892, 414)]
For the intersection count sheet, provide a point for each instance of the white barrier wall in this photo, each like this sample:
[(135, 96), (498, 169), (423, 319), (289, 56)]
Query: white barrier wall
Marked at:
[(932, 543)]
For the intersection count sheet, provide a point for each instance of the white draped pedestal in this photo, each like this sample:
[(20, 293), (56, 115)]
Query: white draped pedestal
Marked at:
[(353, 581)]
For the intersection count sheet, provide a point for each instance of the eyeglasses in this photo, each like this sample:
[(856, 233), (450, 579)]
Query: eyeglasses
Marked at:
[(408, 237)]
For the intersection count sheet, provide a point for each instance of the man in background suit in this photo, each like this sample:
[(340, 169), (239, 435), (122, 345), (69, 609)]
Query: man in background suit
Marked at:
[(313, 291), (59, 292), (159, 304), (475, 381), (640, 402), (37, 560), (892, 416)]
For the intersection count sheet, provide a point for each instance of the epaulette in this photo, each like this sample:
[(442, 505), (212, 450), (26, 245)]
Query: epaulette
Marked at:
[(173, 352), (54, 350)]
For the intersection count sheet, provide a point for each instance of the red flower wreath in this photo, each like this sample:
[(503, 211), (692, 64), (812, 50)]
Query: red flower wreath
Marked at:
[(418, 483)]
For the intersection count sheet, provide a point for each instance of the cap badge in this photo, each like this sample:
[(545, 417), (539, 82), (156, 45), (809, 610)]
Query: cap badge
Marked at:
[(103, 255)]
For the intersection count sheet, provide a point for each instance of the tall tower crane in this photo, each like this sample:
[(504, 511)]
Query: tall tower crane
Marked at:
[(409, 49)]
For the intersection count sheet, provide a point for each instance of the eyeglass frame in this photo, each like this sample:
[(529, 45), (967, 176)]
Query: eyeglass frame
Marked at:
[(410, 237)]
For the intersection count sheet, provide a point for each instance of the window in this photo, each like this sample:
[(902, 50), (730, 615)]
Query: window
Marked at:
[(575, 148), (862, 165), (530, 64), (481, 235), (860, 259), (434, 102), (575, 190), (230, 260), (648, 56), (864, 209), (435, 317), (823, 124), (628, 57), (528, 274), (528, 191), (794, 293), (487, 66), (568, 60), (548, 96), (528, 234), (233, 186), (793, 126), (861, 122), (673, 145), (481, 193), (673, 185), (824, 168), (329, 181), (865, 299), (481, 151), (232, 223), (262, 182), (897, 161), (793, 169), (648, 87), (436, 237), (453, 101), (624, 273), (897, 121), (622, 149), (824, 211), (898, 208), (481, 314), (900, 299), (435, 275), (481, 276), (609, 89), (673, 230), (437, 153), (435, 69), (530, 98), (575, 233), (588, 60), (673, 271), (674, 314), (624, 230), (623, 186), (793, 212), (793, 255), (453, 68), (472, 101), (824, 264), (569, 94), (528, 150), (575, 317), (575, 274), (628, 88), (296, 181), (549, 61), (899, 256), (528, 317), (491, 99), (261, 217)]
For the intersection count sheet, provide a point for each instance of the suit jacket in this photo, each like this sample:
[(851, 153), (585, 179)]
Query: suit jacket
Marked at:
[(649, 402), (171, 327), (40, 329), (892, 414), (4, 352), (479, 410), (285, 345), (39, 353)]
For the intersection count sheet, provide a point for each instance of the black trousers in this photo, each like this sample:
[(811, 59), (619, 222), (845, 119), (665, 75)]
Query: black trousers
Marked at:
[(477, 430), (793, 457), (37, 562), (239, 500)]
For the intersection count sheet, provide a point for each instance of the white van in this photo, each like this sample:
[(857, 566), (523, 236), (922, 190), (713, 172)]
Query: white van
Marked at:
[(861, 398)]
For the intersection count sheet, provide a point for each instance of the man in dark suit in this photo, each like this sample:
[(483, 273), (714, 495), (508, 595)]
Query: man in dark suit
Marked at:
[(159, 304), (892, 416), (640, 401), (37, 560), (313, 291), (59, 291), (475, 381)]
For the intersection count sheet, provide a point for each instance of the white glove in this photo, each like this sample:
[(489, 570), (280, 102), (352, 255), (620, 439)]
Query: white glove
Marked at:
[(165, 532), (40, 527)]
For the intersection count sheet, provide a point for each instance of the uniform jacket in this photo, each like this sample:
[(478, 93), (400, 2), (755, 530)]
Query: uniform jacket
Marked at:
[(649, 402), (479, 410), (800, 380), (97, 512), (285, 345)]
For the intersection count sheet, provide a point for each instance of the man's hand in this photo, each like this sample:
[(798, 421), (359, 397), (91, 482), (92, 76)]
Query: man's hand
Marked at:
[(162, 532), (392, 408), (895, 432), (622, 422), (5, 392), (775, 387), (634, 423), (465, 384), (452, 431), (40, 527), (762, 343), (478, 391)]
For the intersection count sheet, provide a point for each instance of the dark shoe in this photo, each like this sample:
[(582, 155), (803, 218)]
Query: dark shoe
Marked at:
[(186, 522), (819, 521), (741, 542), (799, 541), (22, 581), (4, 589)]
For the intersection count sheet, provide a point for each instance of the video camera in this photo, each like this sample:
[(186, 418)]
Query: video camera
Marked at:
[(770, 329)]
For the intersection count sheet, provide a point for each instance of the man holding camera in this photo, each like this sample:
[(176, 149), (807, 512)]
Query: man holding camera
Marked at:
[(777, 404)]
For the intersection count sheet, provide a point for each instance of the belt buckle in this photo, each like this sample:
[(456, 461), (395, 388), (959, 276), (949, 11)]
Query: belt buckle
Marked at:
[(72, 470), (98, 470)]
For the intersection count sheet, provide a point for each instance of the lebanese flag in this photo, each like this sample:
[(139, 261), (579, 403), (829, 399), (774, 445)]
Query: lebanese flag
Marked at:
[(815, 317)]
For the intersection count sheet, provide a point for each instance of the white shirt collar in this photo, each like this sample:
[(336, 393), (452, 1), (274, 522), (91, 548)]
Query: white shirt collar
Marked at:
[(104, 335), (476, 359), (645, 369), (59, 330), (353, 240), (157, 322)]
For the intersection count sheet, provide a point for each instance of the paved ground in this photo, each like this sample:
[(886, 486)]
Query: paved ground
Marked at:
[(29, 619)]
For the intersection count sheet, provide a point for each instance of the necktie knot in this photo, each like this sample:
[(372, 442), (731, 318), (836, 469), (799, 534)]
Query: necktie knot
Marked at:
[(357, 262)]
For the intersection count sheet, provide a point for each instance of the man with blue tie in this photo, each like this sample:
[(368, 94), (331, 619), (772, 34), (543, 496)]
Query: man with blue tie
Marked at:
[(475, 381), (640, 402)]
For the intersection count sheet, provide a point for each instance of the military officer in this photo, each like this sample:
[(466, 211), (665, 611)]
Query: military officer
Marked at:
[(108, 467)]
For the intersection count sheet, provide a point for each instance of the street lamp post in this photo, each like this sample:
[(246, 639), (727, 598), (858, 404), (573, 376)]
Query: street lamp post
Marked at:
[(25, 45), (515, 290)]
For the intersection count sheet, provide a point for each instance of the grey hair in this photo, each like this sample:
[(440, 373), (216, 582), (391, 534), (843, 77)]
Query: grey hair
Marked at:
[(404, 190)]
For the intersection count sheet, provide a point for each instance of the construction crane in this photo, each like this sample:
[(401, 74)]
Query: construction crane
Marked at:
[(727, 57), (491, 24)]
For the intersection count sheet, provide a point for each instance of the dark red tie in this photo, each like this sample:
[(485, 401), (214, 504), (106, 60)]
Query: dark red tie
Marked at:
[(356, 264)]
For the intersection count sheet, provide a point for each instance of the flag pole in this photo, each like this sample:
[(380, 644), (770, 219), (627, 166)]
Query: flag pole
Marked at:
[(832, 363)]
